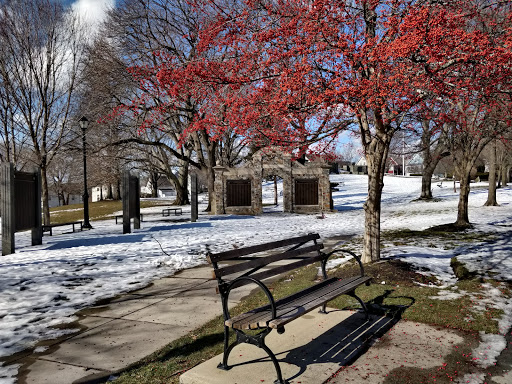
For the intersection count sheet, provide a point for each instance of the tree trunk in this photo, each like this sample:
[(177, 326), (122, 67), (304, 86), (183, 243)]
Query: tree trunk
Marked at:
[(504, 175), (426, 177), (181, 184), (430, 158), (428, 170), (376, 158), (181, 195), (118, 189), (44, 193), (463, 209), (491, 195), (211, 187), (154, 183), (426, 182)]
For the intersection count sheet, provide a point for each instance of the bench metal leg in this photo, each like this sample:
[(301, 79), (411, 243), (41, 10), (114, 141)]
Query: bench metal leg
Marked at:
[(257, 340), (280, 379), (361, 302), (227, 350)]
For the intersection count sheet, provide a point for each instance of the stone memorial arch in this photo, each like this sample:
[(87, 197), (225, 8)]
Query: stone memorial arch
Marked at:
[(306, 187)]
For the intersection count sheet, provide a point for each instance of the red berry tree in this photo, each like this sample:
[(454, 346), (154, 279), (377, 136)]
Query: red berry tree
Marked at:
[(293, 73)]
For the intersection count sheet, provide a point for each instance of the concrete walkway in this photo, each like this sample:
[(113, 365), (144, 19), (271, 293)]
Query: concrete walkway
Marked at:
[(316, 346), (127, 329)]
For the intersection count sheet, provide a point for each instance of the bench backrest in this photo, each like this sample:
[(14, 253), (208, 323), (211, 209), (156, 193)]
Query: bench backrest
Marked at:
[(305, 249)]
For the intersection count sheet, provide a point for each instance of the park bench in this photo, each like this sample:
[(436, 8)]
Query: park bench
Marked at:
[(250, 265), (49, 227), (121, 217), (167, 211)]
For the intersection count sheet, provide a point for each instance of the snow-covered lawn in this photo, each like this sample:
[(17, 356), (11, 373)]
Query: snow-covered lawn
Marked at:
[(45, 285)]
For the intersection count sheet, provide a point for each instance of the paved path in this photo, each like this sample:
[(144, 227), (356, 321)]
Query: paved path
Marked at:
[(128, 329)]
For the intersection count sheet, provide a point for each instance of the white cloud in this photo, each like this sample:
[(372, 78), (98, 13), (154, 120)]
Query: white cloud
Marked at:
[(93, 11)]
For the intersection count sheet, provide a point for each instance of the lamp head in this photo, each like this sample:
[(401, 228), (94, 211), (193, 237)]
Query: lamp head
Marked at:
[(84, 123)]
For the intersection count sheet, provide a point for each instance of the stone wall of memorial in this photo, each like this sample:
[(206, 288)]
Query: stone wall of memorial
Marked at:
[(270, 162)]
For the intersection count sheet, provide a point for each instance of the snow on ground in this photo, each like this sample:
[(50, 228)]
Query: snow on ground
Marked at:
[(45, 285)]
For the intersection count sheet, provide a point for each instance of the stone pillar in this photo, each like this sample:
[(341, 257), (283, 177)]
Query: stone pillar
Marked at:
[(7, 208), (287, 192), (325, 189), (257, 193), (219, 195)]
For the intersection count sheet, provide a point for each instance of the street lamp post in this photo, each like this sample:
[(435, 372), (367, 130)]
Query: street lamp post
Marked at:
[(84, 124)]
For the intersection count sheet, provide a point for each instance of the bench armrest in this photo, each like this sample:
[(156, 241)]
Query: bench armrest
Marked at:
[(233, 284), (336, 250)]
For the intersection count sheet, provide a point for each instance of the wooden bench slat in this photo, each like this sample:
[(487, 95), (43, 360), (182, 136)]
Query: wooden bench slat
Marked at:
[(216, 257), (262, 261), (262, 314), (342, 289), (296, 305), (264, 311), (275, 271)]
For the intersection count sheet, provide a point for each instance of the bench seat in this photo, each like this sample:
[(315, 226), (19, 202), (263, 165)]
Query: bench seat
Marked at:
[(49, 227), (296, 305), (167, 211)]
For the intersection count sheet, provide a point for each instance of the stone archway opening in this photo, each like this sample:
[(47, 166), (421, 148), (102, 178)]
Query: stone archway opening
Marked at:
[(272, 194)]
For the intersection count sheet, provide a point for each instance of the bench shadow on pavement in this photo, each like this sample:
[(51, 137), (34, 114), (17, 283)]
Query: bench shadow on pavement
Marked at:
[(346, 341)]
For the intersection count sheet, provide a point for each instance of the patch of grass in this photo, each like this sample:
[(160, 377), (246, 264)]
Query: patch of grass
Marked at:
[(399, 290), (446, 237), (460, 270), (100, 210)]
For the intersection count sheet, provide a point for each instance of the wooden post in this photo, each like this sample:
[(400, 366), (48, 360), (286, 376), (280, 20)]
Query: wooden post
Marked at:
[(7, 208), (37, 231), (126, 202), (135, 195), (193, 198)]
